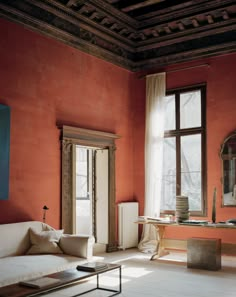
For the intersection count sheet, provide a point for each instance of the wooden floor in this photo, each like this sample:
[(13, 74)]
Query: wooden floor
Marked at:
[(166, 277)]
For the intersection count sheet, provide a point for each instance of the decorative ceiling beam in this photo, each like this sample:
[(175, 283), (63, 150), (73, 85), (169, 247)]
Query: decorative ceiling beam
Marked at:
[(112, 1), (94, 15), (180, 37), (225, 15), (103, 7), (142, 36), (123, 31), (195, 23), (114, 26), (210, 19), (154, 33), (181, 9), (105, 21), (71, 2), (181, 26), (131, 35), (82, 20), (167, 29), (163, 15), (141, 5)]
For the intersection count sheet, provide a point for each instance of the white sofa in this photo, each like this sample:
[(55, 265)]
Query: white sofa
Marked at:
[(16, 265)]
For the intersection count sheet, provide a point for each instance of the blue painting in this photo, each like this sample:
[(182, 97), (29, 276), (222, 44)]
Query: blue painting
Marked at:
[(4, 151)]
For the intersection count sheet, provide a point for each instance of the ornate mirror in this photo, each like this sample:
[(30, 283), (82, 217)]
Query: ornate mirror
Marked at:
[(228, 156)]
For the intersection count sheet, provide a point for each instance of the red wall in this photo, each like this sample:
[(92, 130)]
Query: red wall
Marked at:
[(46, 82), (219, 76)]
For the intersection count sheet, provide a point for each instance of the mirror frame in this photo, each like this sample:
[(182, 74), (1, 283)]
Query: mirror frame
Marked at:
[(230, 136)]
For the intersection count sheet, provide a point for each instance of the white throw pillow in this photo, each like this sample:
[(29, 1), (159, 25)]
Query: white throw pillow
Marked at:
[(45, 242)]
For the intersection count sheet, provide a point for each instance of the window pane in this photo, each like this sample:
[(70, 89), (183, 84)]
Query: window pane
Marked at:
[(191, 170), (190, 109), (169, 113), (169, 174), (81, 173)]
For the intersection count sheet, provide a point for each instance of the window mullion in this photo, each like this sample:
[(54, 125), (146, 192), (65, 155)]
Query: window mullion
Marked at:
[(178, 166), (178, 155)]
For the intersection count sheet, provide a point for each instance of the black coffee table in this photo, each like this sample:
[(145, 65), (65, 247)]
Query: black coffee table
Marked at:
[(66, 278)]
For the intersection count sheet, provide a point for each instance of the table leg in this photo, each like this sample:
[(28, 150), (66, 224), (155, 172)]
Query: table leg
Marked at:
[(160, 250), (115, 292)]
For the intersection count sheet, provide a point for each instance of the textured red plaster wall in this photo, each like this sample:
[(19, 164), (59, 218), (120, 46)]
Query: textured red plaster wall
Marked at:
[(221, 106), (46, 82), (139, 137)]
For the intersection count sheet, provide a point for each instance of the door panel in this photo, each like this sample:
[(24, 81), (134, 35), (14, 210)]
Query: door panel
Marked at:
[(101, 195)]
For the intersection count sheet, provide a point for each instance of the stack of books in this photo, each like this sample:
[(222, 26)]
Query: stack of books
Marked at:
[(92, 266)]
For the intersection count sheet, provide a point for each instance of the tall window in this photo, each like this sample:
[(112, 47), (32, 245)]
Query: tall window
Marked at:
[(184, 149)]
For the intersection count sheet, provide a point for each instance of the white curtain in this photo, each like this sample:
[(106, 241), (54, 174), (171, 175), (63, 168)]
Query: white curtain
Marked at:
[(154, 135)]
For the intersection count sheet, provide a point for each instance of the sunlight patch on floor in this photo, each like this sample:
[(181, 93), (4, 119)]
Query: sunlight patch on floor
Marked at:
[(135, 272)]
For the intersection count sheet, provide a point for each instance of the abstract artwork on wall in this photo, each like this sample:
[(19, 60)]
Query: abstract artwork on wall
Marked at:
[(4, 151)]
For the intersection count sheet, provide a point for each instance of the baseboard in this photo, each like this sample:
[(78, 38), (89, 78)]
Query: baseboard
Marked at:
[(176, 244)]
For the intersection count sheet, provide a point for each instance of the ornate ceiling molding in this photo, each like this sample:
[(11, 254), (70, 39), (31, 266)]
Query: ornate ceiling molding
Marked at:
[(133, 34)]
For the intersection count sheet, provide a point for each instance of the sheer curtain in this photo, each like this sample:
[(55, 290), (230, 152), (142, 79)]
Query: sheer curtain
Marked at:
[(155, 109)]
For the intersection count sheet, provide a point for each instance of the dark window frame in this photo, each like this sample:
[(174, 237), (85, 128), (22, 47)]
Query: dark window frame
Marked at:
[(177, 133)]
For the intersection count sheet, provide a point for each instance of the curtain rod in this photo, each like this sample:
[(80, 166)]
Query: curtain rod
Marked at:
[(175, 70)]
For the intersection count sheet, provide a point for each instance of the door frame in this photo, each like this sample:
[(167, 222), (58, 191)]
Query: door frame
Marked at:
[(86, 137)]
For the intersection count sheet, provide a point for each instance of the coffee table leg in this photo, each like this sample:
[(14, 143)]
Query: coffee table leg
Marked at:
[(116, 292), (97, 281), (120, 286)]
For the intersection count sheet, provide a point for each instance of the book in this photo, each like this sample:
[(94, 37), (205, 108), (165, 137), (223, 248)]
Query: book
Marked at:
[(147, 218), (194, 222), (39, 283), (92, 266)]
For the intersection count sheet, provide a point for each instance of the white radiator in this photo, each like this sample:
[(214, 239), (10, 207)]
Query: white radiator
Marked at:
[(128, 230)]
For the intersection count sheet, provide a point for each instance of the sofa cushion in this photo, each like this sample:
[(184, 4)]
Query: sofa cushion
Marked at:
[(45, 242)]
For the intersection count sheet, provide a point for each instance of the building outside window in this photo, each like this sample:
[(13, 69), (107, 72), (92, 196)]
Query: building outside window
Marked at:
[(184, 165)]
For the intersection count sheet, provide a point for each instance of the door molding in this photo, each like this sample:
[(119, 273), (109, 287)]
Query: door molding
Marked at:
[(85, 137)]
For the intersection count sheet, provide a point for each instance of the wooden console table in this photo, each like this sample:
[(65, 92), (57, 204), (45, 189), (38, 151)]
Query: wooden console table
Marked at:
[(160, 229)]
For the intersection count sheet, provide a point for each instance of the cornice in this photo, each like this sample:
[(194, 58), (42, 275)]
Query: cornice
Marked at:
[(184, 56), (98, 28)]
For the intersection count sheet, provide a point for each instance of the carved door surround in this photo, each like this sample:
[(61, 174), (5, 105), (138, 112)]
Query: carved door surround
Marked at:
[(71, 136)]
